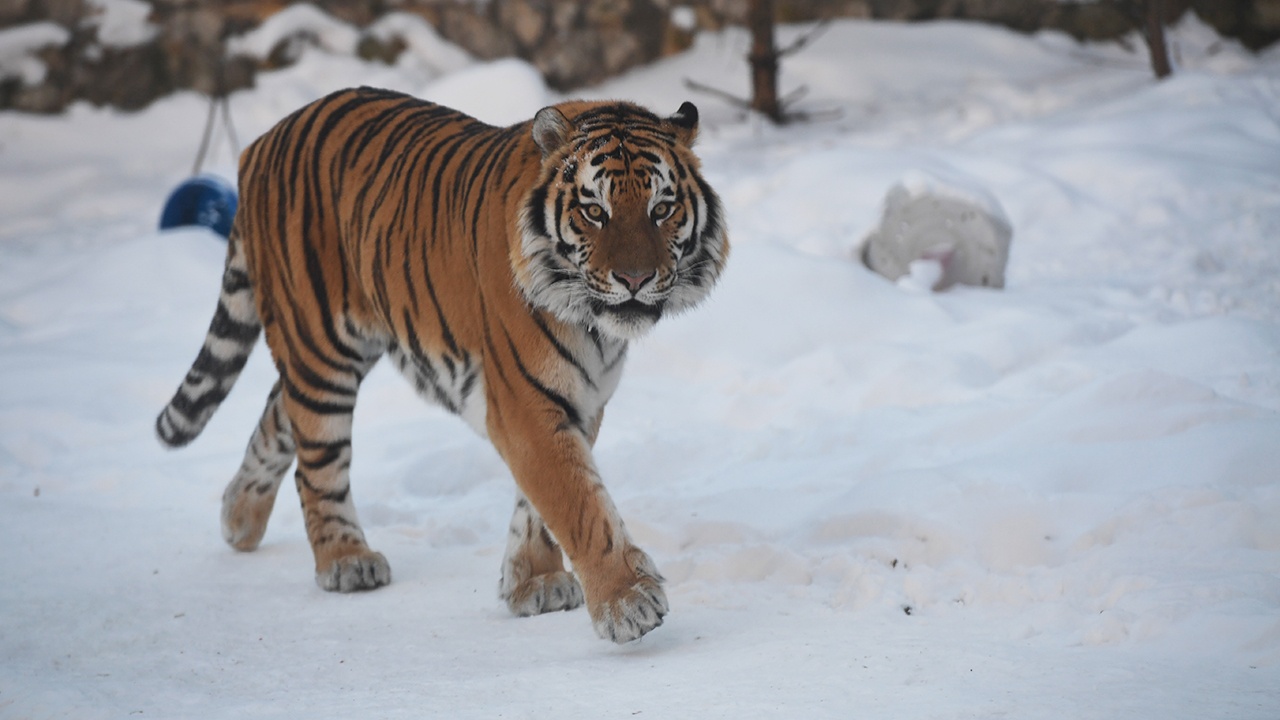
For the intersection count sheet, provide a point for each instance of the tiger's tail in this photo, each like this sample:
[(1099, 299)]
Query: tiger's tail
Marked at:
[(232, 334)]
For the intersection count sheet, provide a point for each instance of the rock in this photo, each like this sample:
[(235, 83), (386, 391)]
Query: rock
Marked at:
[(525, 21), (13, 12), (939, 236), (462, 26), (34, 98), (373, 48), (191, 40), (126, 78), (64, 12), (573, 44)]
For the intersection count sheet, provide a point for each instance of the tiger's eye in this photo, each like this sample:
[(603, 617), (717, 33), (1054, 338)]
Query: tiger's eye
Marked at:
[(662, 210), (595, 212)]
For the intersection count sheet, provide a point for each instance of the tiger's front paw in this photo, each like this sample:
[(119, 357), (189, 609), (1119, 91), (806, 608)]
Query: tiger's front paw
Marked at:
[(631, 614), (364, 570), (637, 609), (543, 593)]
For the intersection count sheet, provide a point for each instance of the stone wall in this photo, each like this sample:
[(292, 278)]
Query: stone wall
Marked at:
[(1256, 23), (571, 43)]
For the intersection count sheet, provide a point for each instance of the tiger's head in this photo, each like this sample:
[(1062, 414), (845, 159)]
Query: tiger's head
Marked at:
[(620, 228)]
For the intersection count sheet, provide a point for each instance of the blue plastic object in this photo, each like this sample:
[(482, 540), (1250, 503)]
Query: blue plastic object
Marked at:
[(205, 200)]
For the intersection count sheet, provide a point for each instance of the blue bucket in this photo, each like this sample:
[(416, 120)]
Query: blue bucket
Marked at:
[(205, 200)]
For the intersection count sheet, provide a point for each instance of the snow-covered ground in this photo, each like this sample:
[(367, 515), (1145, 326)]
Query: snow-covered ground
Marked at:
[(1059, 500)]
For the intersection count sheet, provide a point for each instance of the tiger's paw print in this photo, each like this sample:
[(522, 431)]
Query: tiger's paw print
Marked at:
[(363, 570), (636, 610), (544, 593)]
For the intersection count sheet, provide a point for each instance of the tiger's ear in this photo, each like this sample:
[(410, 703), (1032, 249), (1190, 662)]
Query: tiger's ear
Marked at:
[(685, 123), (550, 130)]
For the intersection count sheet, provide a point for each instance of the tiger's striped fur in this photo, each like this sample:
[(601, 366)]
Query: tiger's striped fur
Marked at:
[(503, 270)]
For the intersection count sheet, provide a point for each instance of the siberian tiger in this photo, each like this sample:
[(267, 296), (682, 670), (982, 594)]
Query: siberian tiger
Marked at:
[(503, 270)]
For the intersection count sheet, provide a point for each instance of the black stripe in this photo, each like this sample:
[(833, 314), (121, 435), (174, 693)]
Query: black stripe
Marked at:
[(346, 103), (405, 134), (559, 210), (464, 134), (381, 295), (329, 452), (374, 127), (563, 351), (536, 210), (714, 220), (425, 371), (468, 382), (609, 366), (331, 518), (234, 280), (318, 407), (302, 333), (338, 496), (570, 412), (172, 436), (445, 333), (508, 147), (493, 353), (422, 167), (321, 383), (316, 275), (225, 327), (595, 339), (206, 363), (190, 407), (476, 152)]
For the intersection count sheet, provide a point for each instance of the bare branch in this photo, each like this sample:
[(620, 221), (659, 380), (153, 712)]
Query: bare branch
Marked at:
[(813, 115), (733, 100), (786, 117), (794, 96), (805, 39)]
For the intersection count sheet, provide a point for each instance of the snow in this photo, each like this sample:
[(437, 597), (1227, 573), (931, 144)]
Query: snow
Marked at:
[(19, 44), (1055, 500), (123, 23), (427, 51), (523, 91), (684, 17), (302, 19)]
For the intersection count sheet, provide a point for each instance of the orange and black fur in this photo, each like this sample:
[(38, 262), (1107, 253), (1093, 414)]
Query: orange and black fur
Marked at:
[(503, 270)]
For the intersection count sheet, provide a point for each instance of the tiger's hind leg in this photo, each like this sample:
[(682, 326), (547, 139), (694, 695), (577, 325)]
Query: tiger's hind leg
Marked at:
[(534, 580), (251, 494), (320, 401)]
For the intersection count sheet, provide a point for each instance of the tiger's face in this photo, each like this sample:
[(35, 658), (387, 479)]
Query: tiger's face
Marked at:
[(621, 229)]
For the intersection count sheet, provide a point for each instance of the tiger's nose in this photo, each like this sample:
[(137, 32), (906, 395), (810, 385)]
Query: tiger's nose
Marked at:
[(634, 281)]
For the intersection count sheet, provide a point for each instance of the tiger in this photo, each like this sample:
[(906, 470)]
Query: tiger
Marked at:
[(504, 271)]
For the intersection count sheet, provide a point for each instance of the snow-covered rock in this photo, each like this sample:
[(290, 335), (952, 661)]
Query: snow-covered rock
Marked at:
[(938, 236)]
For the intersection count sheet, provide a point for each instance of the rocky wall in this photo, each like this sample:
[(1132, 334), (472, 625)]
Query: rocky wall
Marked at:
[(571, 43)]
